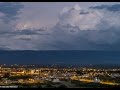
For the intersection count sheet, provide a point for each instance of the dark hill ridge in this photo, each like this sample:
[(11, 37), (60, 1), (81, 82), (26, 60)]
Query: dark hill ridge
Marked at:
[(60, 57)]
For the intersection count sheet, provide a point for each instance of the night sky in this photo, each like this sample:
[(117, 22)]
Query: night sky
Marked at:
[(73, 30)]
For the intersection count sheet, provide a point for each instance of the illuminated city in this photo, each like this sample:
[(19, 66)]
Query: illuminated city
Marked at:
[(59, 44), (54, 76)]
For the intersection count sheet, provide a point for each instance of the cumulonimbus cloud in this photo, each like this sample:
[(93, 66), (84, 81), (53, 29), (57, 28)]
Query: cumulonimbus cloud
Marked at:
[(90, 28), (91, 18)]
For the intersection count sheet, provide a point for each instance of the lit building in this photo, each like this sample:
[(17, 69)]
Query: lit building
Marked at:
[(96, 80)]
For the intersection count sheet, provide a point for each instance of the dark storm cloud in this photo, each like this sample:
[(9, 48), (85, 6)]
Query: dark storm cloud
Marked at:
[(115, 7), (86, 39), (10, 10), (4, 47), (31, 32)]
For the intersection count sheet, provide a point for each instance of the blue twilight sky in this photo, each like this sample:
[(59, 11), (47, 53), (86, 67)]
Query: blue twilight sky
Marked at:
[(59, 25)]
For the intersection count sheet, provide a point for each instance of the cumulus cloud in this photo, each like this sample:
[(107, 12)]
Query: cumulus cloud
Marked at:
[(88, 29), (84, 19), (91, 18)]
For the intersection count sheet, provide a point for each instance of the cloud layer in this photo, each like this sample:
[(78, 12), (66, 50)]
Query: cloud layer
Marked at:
[(93, 28)]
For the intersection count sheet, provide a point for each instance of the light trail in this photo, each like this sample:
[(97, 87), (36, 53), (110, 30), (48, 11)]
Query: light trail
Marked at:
[(108, 83)]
